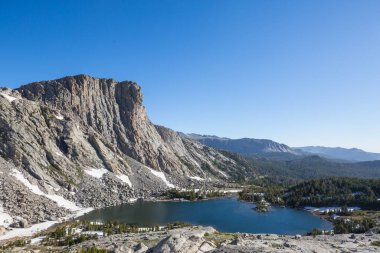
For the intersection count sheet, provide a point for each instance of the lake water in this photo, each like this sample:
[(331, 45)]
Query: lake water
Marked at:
[(226, 215)]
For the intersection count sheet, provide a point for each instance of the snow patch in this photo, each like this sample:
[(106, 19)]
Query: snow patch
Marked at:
[(7, 97), (52, 188), (5, 219), (232, 191), (21, 232), (59, 154), (125, 179), (20, 177), (224, 174), (132, 200), (37, 240), (59, 116), (97, 173), (161, 175), (197, 178), (62, 202), (82, 211)]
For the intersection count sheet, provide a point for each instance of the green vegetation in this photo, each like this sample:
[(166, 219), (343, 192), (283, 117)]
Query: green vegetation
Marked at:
[(91, 250), (60, 237), (335, 191), (262, 206), (65, 234), (191, 195), (311, 167), (263, 192), (16, 243), (186, 163), (353, 226), (53, 170), (375, 243), (288, 169), (270, 192), (315, 232), (206, 167), (217, 238), (342, 192), (247, 170), (177, 224)]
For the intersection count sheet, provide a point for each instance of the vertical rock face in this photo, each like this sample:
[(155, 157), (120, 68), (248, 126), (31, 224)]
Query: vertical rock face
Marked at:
[(71, 133), (112, 112)]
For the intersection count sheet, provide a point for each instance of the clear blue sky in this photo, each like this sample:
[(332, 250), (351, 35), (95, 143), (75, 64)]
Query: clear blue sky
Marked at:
[(298, 72)]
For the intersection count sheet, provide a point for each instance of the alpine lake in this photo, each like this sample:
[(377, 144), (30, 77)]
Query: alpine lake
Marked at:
[(225, 215)]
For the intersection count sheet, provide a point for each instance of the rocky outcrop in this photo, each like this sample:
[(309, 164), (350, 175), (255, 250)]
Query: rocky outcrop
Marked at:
[(186, 241), (89, 141), (206, 239)]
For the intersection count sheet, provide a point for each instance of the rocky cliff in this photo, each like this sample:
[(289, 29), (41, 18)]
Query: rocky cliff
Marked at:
[(82, 142)]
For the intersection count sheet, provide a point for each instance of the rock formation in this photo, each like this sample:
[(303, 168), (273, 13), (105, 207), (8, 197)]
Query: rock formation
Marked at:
[(81, 142)]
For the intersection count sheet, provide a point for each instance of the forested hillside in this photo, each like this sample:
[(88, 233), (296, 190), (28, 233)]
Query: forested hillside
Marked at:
[(335, 191)]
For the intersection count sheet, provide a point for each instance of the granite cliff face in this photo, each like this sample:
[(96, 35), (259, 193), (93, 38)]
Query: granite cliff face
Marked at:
[(89, 141)]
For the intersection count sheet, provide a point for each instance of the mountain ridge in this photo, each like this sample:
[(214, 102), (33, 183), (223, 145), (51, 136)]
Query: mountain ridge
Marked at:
[(270, 148), (245, 146), (339, 153)]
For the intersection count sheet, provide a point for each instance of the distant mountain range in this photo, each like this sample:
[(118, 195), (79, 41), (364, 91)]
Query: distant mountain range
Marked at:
[(271, 149), (245, 146), (352, 154)]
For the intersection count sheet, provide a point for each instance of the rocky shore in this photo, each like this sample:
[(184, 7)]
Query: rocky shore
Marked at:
[(197, 239)]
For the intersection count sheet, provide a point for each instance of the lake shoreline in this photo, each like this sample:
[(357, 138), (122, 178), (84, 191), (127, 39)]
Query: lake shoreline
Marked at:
[(241, 216), (82, 213)]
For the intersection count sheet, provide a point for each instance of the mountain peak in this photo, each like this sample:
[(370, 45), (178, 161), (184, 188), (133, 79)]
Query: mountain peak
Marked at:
[(83, 92)]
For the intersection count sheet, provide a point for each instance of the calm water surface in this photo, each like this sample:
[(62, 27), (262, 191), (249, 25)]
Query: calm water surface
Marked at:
[(227, 215)]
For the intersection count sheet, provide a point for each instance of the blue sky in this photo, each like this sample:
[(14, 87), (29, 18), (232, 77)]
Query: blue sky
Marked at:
[(297, 72)]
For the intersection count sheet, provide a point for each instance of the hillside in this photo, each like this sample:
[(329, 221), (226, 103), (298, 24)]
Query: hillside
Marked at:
[(279, 162), (288, 172), (244, 146), (335, 192)]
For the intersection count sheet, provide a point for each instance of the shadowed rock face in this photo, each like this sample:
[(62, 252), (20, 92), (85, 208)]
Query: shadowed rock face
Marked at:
[(55, 132)]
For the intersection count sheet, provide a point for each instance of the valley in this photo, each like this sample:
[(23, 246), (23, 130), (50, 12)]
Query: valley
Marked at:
[(84, 148)]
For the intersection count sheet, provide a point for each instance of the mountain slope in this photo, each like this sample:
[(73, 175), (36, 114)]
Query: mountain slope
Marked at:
[(352, 154), (309, 167), (81, 142), (283, 164), (244, 146)]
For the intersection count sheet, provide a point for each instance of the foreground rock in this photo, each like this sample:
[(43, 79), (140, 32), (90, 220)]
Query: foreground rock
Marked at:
[(206, 239), (186, 240)]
